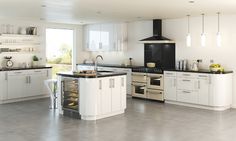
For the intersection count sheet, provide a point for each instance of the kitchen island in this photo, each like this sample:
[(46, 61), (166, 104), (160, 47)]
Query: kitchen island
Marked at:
[(92, 97)]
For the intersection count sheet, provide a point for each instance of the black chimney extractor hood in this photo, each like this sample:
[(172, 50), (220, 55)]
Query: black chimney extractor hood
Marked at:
[(157, 34)]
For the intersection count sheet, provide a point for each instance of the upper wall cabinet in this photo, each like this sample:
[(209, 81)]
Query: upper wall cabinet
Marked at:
[(105, 37)]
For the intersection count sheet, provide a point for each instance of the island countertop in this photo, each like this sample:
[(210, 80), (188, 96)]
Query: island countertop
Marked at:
[(25, 68), (98, 75)]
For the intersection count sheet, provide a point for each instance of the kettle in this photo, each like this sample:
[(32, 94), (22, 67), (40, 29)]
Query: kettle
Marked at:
[(194, 66)]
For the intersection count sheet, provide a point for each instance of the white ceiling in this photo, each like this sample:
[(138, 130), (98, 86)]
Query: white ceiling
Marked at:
[(90, 11)]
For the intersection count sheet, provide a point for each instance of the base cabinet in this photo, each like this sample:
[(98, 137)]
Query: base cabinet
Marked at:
[(211, 91), (170, 86), (23, 84), (109, 99)]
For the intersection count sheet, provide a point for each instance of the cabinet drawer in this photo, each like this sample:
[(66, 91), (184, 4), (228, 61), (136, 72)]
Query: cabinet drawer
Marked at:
[(187, 96), (186, 74), (186, 84), (169, 73), (20, 72), (155, 94), (38, 71)]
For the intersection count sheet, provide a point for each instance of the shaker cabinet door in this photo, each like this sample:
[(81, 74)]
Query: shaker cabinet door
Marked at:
[(170, 88)]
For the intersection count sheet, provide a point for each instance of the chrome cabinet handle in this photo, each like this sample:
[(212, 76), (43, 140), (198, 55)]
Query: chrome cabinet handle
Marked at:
[(113, 83), (6, 76), (110, 83), (122, 82), (186, 74), (37, 71), (199, 84), (186, 80), (186, 92), (18, 72), (100, 84), (202, 76), (29, 79)]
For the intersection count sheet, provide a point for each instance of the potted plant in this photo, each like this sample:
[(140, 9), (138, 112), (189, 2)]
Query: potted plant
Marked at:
[(35, 61)]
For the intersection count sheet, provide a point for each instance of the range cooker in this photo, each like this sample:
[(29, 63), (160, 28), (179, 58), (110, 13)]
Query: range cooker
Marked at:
[(148, 83)]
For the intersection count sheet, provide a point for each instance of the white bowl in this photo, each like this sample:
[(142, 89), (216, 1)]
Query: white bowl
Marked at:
[(151, 65)]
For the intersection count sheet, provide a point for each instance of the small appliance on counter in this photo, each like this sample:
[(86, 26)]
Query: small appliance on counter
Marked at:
[(182, 64), (7, 62)]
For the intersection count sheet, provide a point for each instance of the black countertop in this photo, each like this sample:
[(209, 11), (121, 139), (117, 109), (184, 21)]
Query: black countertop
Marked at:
[(201, 71), (20, 68), (98, 75), (112, 65)]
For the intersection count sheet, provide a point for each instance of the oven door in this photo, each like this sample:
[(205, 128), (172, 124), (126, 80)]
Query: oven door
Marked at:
[(139, 77), (155, 81), (155, 94), (139, 90)]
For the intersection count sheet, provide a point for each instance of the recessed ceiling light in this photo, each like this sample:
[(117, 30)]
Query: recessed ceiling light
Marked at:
[(191, 1), (43, 5)]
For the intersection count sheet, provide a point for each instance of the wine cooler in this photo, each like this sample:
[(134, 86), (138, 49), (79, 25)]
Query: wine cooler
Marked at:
[(70, 97)]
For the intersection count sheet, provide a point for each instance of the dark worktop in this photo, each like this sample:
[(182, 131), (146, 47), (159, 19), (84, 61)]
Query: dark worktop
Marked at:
[(201, 71), (105, 74), (112, 65), (20, 68)]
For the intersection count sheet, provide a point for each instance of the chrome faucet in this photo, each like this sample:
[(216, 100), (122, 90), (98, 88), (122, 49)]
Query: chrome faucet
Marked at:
[(96, 62)]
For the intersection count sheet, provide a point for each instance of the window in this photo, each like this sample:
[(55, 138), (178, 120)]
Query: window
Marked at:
[(59, 47)]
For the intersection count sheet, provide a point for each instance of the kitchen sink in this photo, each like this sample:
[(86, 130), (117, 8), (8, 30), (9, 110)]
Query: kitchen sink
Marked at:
[(104, 72)]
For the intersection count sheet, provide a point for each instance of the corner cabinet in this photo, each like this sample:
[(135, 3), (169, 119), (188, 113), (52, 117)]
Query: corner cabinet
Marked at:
[(202, 90), (105, 37)]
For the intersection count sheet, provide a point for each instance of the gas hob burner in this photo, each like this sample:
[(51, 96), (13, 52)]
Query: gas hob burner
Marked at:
[(148, 70)]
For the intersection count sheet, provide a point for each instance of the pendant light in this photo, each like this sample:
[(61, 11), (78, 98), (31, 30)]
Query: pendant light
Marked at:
[(188, 38), (218, 36), (203, 35)]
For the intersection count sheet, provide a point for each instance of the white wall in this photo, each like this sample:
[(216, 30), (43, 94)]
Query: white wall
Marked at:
[(176, 29), (19, 58)]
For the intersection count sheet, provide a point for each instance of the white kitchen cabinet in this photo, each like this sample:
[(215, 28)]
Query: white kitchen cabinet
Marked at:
[(17, 84), (102, 97), (115, 94), (128, 72), (203, 89), (106, 96), (105, 37), (92, 37), (170, 86), (187, 96), (221, 88), (36, 82), (23, 84), (3, 85)]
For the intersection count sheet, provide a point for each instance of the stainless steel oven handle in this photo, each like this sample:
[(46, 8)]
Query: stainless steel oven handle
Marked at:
[(155, 91)]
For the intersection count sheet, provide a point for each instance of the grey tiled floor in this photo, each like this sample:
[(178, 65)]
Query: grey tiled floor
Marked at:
[(143, 121)]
